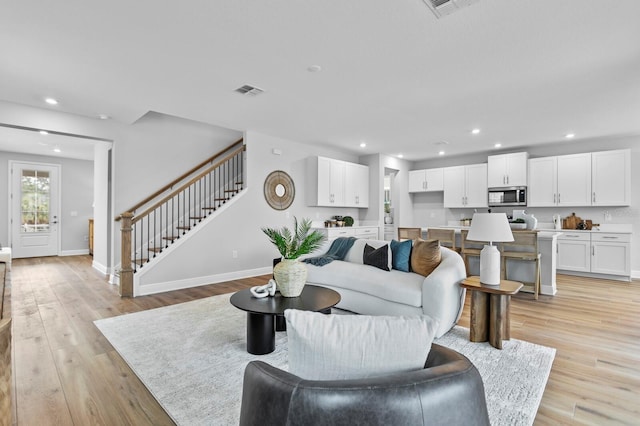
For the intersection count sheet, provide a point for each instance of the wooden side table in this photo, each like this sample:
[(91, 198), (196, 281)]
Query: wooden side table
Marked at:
[(490, 310)]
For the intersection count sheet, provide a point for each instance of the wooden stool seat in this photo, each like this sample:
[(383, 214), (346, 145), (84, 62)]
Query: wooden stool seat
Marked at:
[(447, 237), (467, 251), (409, 233), (525, 248)]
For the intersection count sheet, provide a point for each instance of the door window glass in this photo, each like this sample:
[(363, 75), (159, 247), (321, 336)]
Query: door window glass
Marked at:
[(35, 185)]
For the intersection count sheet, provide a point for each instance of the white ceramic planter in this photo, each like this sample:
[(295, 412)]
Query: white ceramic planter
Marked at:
[(290, 275)]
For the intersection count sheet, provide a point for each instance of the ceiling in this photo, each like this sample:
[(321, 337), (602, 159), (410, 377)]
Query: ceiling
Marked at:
[(32, 141), (392, 74)]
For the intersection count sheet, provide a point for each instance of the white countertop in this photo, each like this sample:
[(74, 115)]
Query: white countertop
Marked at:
[(542, 233)]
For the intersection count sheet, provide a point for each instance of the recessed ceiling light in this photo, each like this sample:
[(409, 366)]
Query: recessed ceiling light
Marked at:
[(362, 144), (441, 153), (314, 68), (43, 132), (400, 156), (475, 131), (570, 135), (51, 101), (498, 145), (56, 150), (103, 116)]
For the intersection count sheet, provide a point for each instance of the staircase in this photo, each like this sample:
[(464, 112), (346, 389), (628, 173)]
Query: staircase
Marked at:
[(178, 208)]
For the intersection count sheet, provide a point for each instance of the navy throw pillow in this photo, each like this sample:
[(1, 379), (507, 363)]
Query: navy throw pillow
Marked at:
[(401, 255), (376, 257)]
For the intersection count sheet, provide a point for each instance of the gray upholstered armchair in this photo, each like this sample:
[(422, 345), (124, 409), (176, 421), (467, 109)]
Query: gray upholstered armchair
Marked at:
[(448, 391)]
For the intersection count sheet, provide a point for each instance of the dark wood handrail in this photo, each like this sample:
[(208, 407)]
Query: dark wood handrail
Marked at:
[(188, 183), (181, 177)]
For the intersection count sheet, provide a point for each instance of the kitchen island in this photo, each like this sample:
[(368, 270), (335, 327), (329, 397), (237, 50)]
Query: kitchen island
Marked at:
[(521, 270)]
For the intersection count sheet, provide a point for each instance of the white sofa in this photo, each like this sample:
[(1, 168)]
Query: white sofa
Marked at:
[(368, 290)]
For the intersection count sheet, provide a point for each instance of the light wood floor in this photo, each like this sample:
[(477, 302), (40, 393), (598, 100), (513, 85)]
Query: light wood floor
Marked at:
[(66, 373)]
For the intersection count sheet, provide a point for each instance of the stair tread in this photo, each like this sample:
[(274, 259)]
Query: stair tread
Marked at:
[(170, 238), (197, 217), (155, 249), (209, 208), (183, 227)]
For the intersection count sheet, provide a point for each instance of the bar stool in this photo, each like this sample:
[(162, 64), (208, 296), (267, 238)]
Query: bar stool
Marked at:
[(524, 247), (409, 233), (446, 236), (466, 250)]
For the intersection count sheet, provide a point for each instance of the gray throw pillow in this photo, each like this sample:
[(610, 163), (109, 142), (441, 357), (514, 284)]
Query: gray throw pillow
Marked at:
[(339, 347)]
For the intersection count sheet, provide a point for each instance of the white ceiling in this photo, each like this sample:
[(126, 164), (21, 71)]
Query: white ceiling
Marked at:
[(50, 144), (393, 75)]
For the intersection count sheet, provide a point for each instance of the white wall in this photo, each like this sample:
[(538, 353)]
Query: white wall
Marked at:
[(76, 186), (208, 253), (101, 208)]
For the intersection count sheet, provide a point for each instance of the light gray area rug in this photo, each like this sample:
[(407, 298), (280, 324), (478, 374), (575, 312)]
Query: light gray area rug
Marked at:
[(192, 358)]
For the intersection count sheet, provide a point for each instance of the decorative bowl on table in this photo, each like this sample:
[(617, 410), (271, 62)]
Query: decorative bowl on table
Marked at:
[(518, 224)]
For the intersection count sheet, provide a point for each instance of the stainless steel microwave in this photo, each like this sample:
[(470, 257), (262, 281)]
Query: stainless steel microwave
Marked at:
[(508, 196)]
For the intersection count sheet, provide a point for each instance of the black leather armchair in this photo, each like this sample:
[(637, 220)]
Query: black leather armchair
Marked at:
[(448, 391)]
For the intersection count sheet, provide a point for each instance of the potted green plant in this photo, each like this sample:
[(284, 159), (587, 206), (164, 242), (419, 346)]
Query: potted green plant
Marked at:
[(290, 274)]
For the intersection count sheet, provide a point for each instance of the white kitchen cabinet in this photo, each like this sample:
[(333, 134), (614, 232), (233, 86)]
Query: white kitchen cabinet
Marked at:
[(356, 186), (362, 232), (427, 180), (367, 232), (595, 252), (611, 178), (560, 181), (507, 170), (574, 180), (330, 182), (543, 182), (574, 252), (465, 186), (611, 253)]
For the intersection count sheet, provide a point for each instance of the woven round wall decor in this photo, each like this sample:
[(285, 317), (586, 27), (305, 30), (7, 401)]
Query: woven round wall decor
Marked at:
[(279, 190)]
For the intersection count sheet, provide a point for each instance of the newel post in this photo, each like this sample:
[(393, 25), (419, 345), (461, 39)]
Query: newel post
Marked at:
[(126, 271)]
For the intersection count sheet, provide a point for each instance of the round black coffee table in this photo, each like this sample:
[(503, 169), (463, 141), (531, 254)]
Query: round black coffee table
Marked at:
[(262, 313)]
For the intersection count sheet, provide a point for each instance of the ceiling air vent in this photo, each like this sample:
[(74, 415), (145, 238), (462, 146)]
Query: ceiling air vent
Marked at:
[(442, 8), (249, 90)]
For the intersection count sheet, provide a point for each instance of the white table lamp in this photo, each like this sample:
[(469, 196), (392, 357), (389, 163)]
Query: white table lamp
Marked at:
[(490, 227)]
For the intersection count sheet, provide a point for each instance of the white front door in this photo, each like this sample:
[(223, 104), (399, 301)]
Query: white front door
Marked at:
[(34, 209)]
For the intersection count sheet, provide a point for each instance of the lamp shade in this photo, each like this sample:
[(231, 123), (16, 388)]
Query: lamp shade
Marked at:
[(490, 227)]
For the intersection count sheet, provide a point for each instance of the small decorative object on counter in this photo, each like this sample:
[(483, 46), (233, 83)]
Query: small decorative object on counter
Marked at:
[(348, 221)]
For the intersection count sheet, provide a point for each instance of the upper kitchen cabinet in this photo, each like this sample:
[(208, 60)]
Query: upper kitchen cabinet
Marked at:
[(356, 188), (336, 183), (465, 186), (507, 170), (611, 178), (588, 179), (560, 181), (426, 180)]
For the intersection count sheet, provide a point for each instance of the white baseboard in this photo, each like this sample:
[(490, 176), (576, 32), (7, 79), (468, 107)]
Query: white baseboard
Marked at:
[(114, 279), (146, 289), (73, 252), (100, 267), (635, 275)]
